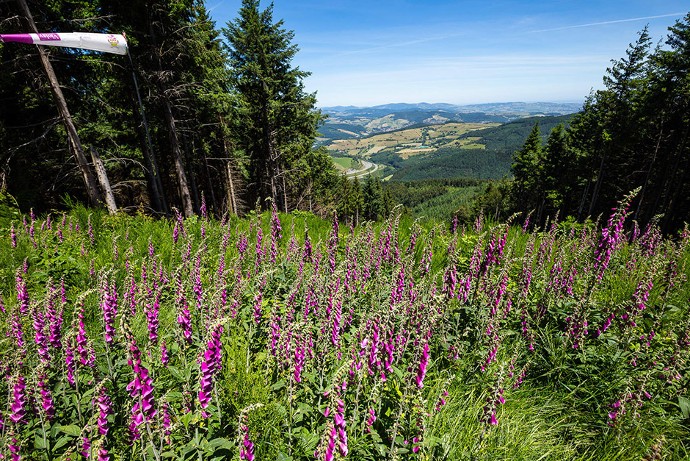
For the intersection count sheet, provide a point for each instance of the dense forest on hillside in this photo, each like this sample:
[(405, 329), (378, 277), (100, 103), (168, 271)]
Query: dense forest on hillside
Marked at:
[(633, 134), (205, 130), (491, 162)]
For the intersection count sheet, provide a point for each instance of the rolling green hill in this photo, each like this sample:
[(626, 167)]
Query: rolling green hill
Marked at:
[(487, 157)]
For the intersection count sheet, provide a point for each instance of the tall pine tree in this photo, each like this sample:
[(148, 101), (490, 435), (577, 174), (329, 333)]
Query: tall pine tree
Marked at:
[(276, 119)]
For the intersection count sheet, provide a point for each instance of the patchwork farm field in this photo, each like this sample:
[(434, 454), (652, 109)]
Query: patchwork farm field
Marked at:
[(289, 337), (412, 141)]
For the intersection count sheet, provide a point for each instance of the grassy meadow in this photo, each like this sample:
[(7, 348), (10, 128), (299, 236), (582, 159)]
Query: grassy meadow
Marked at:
[(289, 337)]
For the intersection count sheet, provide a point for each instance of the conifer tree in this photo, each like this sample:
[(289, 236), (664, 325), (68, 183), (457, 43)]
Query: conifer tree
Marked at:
[(527, 169), (276, 119)]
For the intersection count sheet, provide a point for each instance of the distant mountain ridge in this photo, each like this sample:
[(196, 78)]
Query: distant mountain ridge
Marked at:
[(346, 122), (532, 108)]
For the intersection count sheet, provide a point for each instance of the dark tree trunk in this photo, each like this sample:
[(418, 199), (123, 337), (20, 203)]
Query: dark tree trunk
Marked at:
[(61, 103), (178, 161)]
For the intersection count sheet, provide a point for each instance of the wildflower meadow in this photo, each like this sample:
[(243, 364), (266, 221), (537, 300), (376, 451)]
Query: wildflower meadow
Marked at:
[(289, 337)]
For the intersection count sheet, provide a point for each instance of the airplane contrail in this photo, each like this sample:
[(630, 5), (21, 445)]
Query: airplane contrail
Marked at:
[(603, 23)]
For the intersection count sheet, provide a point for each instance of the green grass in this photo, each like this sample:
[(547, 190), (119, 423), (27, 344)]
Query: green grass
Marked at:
[(560, 412)]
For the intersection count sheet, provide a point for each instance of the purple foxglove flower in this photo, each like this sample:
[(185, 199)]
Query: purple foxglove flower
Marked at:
[(14, 449), (141, 391), (370, 419), (69, 363), (274, 335), (299, 362), (184, 318), (330, 448), (85, 447), (421, 372), (210, 365), (167, 423), (103, 454), (82, 340), (247, 448), (17, 332), (259, 248), (19, 402), (46, 398), (151, 311), (109, 310), (308, 250), (39, 336), (165, 356), (258, 300), (54, 319), (105, 409), (242, 244), (22, 294)]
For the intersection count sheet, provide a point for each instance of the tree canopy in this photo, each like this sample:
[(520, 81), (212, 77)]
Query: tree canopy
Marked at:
[(220, 117), (631, 134)]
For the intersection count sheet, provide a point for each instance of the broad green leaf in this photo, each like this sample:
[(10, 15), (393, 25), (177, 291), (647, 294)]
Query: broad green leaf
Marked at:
[(62, 441), (73, 430)]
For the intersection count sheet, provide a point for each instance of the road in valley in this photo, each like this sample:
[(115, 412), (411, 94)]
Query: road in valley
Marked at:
[(367, 169)]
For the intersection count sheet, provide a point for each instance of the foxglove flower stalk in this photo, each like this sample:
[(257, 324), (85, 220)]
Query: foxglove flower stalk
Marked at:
[(15, 449), (299, 362), (242, 245), (17, 332), (259, 248), (82, 341), (370, 419), (258, 300), (198, 287), (374, 361), (165, 356), (69, 364), (421, 372), (247, 448), (105, 408), (46, 398), (274, 335), (22, 294), (109, 310), (39, 336), (151, 311), (85, 447), (166, 421), (19, 402), (210, 365), (611, 236), (330, 448), (308, 250), (339, 425), (336, 318), (399, 288), (141, 391), (103, 454), (184, 318), (54, 319)]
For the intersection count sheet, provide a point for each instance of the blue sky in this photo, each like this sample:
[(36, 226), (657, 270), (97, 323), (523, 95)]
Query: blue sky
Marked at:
[(463, 52)]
